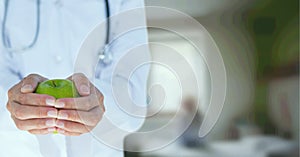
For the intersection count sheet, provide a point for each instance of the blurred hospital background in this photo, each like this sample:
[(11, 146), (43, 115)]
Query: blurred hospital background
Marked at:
[(259, 43)]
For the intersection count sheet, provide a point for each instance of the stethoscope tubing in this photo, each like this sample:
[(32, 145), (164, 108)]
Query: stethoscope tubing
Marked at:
[(103, 53), (5, 38)]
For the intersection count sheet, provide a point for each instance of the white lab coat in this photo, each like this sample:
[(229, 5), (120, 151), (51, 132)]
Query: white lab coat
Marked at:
[(64, 25)]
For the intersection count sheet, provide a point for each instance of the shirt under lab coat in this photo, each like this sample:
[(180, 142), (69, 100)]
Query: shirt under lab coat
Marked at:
[(64, 25)]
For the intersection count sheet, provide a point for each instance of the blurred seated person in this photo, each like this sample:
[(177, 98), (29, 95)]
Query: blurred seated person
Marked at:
[(190, 114)]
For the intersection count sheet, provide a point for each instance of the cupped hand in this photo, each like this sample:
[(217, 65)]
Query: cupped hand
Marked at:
[(80, 115), (32, 112)]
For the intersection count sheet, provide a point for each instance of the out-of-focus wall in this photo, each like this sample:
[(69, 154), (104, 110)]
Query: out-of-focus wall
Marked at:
[(237, 51)]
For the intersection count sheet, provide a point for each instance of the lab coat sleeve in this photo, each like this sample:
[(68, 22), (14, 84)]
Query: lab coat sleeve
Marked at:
[(9, 134), (124, 82), (9, 73)]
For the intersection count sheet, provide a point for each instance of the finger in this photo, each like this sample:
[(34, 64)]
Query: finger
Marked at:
[(30, 83), (82, 103), (82, 83), (100, 98), (23, 112), (14, 90), (67, 133), (34, 124), (42, 131), (72, 126), (8, 106), (34, 99), (90, 118)]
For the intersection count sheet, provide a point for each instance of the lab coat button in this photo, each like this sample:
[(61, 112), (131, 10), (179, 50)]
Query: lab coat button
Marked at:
[(58, 59)]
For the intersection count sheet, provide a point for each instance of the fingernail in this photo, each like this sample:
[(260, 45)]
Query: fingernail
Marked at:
[(51, 129), (52, 114), (61, 131), (84, 89), (26, 88), (62, 116), (59, 104), (50, 123), (60, 124), (50, 102)]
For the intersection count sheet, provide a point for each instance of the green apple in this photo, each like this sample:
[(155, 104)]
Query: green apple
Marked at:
[(58, 88)]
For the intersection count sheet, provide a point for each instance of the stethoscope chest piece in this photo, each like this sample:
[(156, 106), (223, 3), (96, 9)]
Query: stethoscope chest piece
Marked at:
[(105, 56)]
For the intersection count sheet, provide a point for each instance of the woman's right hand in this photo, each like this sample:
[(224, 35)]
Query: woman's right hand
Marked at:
[(32, 112)]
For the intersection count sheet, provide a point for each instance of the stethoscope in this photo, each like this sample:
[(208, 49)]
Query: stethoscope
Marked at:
[(104, 56)]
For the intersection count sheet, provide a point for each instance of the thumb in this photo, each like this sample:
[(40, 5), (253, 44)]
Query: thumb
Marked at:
[(82, 83), (30, 83)]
